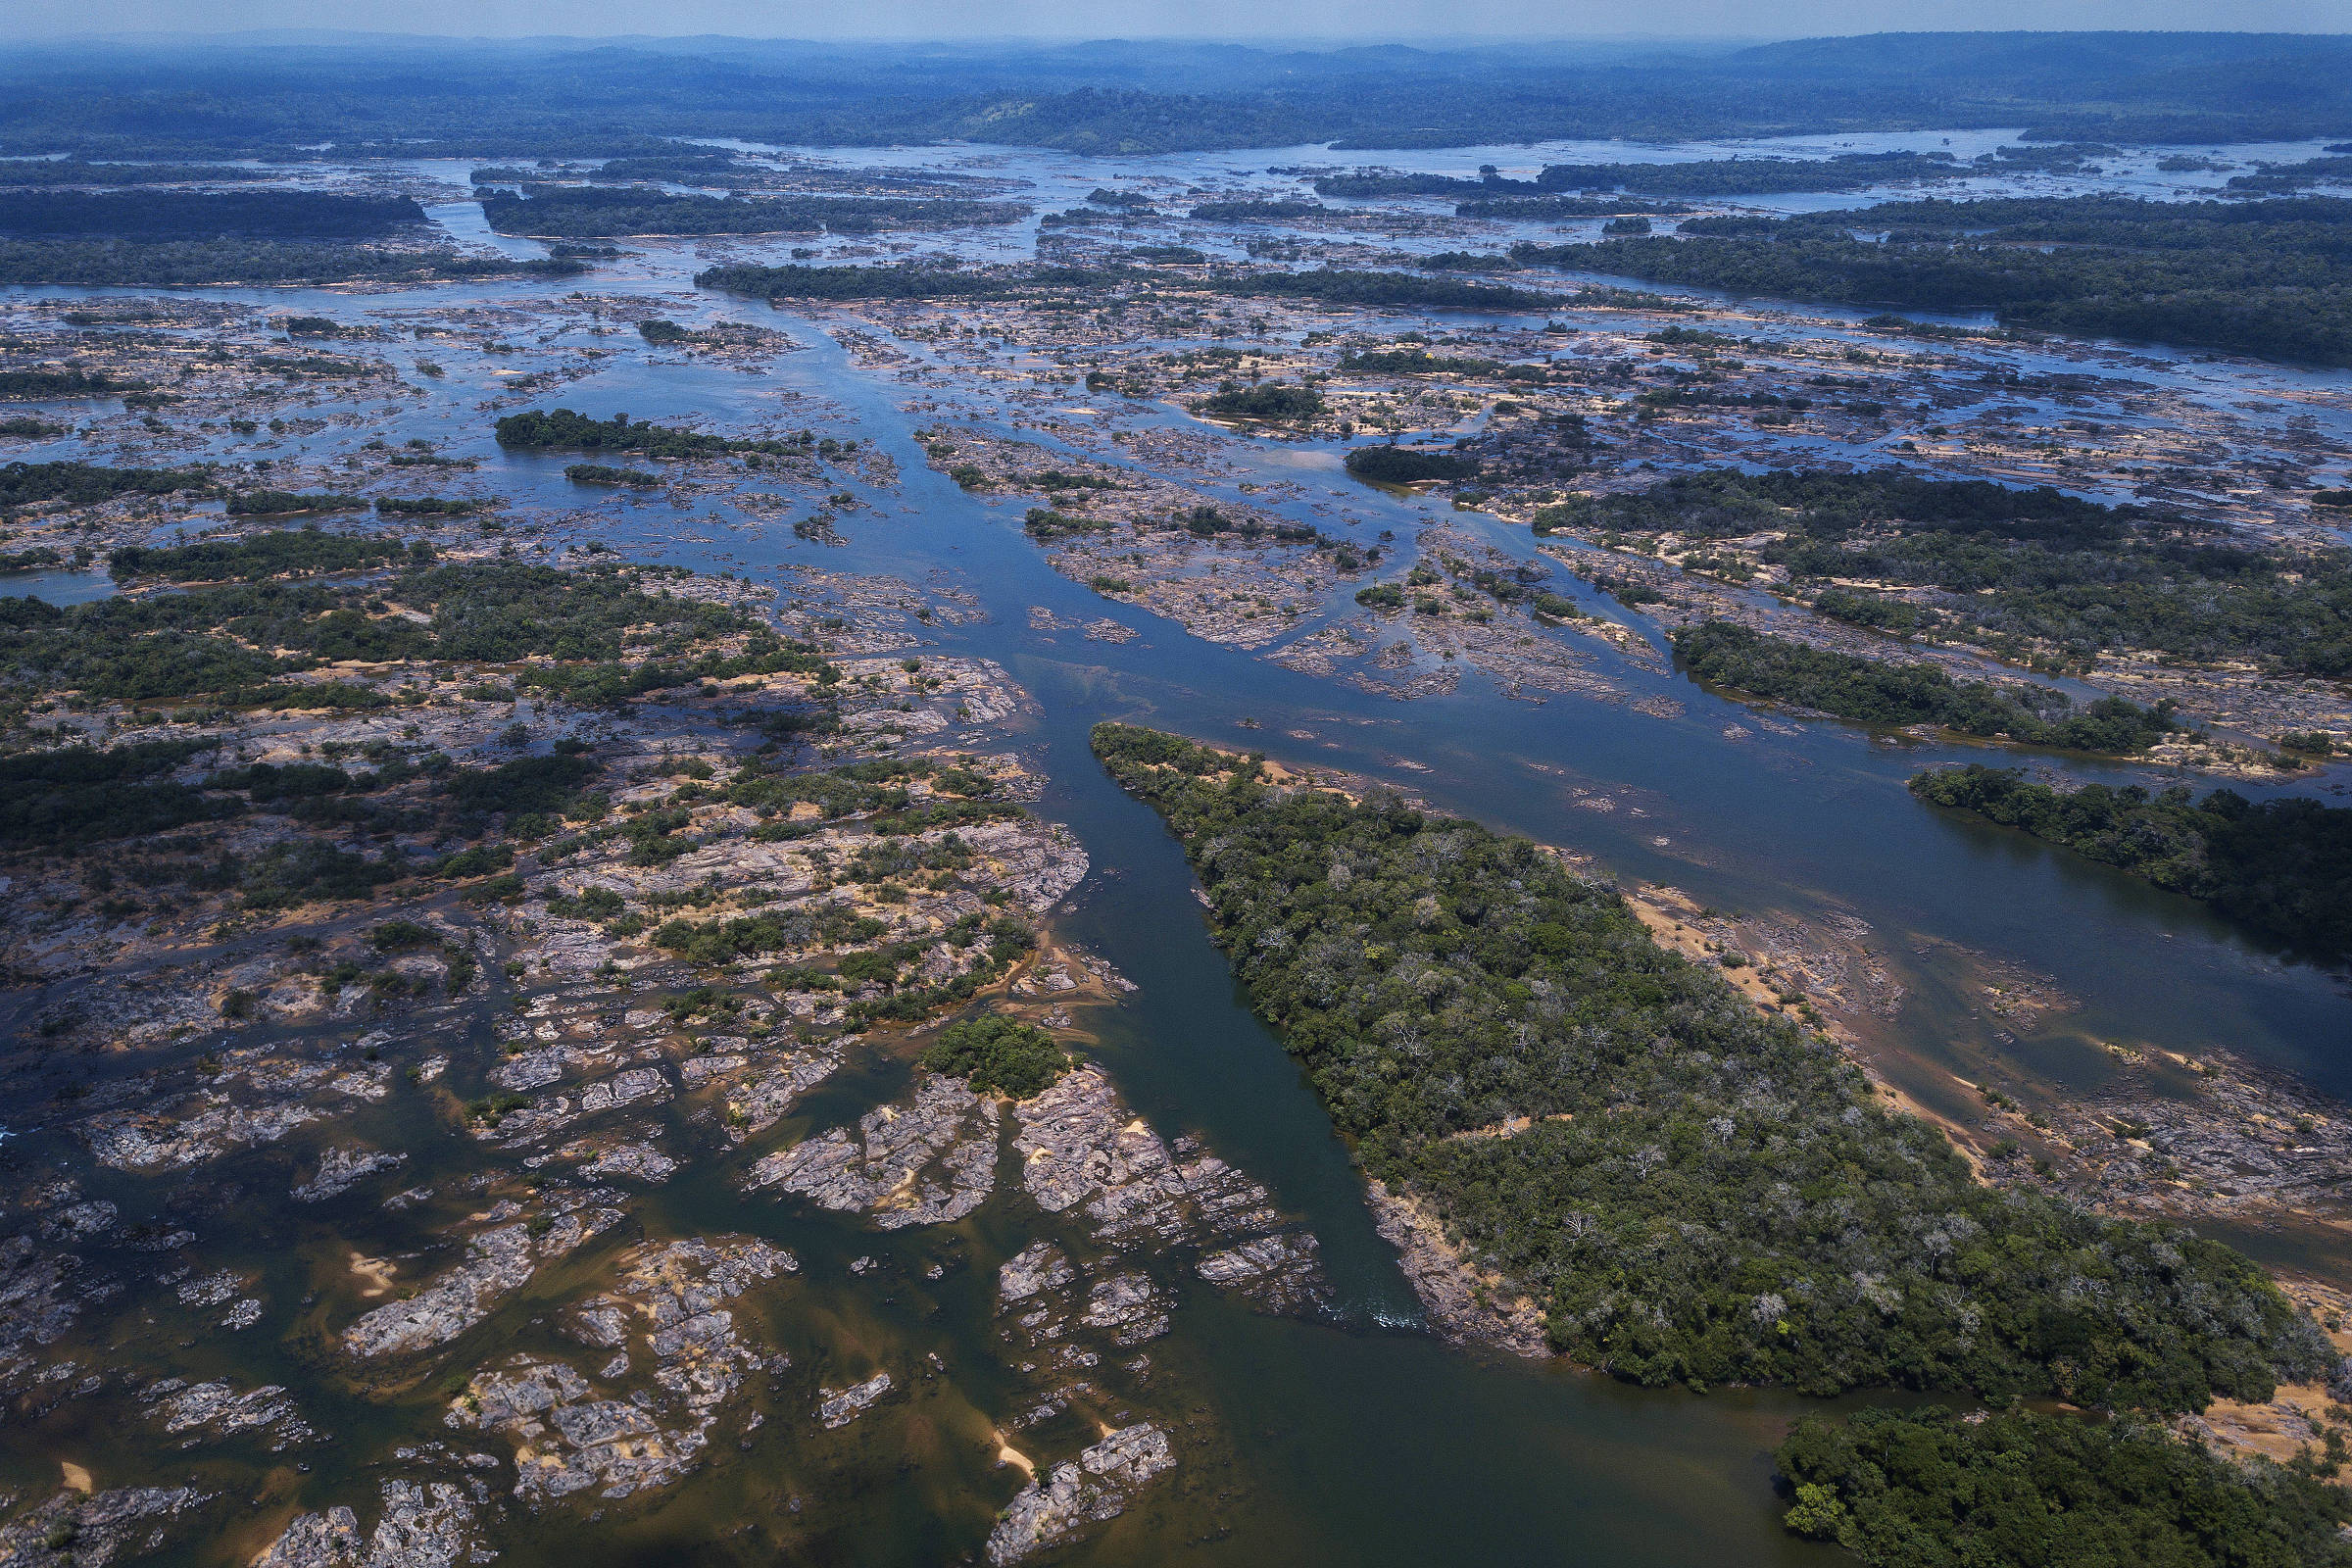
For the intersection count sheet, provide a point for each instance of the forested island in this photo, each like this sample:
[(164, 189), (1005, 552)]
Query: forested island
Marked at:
[(2268, 279), (1718, 176), (1879, 692), (1935, 1488), (1330, 284), (581, 212), (2030, 574), (265, 215), (2283, 867), (1616, 1132)]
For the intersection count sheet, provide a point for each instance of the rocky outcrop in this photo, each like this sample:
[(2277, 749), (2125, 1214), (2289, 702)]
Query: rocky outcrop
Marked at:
[(498, 1261), (921, 1161), (552, 1113), (340, 1169), (838, 1407), (669, 1304), (216, 1410), (90, 1531), (566, 1439), (1460, 1305), (1127, 1308), (1039, 1267), (1082, 1148), (427, 1525), (1095, 1485)]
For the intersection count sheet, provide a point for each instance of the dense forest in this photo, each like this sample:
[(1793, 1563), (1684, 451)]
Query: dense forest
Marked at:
[(1396, 465), (1876, 692), (1932, 1489), (2283, 867), (1706, 176), (47, 381), (32, 172), (1333, 285), (1266, 401), (611, 634), (578, 211), (564, 430), (146, 215), (111, 263), (83, 483), (998, 1056), (2272, 279), (1693, 1192), (2028, 574), (558, 99), (257, 557)]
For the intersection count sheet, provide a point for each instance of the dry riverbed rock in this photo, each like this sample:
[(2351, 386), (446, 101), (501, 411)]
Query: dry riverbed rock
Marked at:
[(925, 1160), (1095, 1485)]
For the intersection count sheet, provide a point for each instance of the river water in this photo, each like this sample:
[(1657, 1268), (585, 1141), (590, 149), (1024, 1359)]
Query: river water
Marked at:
[(1361, 1440)]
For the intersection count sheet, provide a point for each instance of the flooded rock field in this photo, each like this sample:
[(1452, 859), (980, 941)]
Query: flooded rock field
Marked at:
[(487, 914)]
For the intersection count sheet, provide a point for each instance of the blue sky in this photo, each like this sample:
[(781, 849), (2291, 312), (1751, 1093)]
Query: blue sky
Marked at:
[(1344, 19)]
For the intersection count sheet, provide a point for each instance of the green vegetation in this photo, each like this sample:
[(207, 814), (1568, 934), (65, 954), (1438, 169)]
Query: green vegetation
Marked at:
[(1255, 212), (1719, 176), (525, 784), (233, 643), (1337, 286), (1413, 360), (1390, 465), (895, 995), (603, 473), (79, 794), (2278, 179), (287, 504), (257, 557), (1928, 1489), (562, 429), (2067, 578), (2269, 279), (1538, 207), (191, 216), (901, 283), (998, 1056), (2283, 867), (585, 211), (22, 172), (1045, 522), (1332, 285), (72, 381), (1693, 1193), (1874, 692), (22, 484), (1269, 401), (122, 263)]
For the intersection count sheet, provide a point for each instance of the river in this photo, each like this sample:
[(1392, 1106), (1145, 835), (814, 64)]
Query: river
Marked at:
[(1360, 1439)]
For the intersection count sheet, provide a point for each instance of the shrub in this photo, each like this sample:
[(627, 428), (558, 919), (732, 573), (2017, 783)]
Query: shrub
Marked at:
[(998, 1056)]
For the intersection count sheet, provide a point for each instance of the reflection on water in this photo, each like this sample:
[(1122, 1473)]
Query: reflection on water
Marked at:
[(57, 587)]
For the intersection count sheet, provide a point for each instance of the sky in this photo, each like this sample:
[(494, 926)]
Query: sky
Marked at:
[(1353, 21)]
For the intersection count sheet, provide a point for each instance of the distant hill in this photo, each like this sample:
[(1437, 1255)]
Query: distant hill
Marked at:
[(581, 97)]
